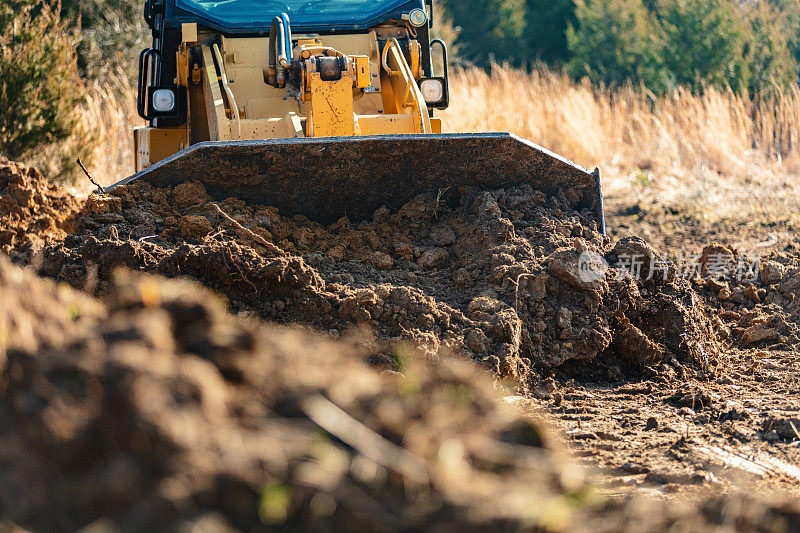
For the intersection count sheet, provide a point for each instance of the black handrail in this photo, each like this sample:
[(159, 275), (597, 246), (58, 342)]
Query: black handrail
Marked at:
[(146, 56)]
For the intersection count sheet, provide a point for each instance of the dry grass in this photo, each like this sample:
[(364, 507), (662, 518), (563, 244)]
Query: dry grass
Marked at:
[(109, 118), (103, 136), (717, 149)]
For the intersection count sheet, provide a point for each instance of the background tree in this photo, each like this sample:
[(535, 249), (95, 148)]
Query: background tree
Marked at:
[(113, 32), (39, 85), (789, 19), (546, 29), (491, 30), (614, 41), (703, 42), (770, 60)]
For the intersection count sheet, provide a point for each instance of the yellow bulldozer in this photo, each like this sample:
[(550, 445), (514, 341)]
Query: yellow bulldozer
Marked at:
[(324, 108)]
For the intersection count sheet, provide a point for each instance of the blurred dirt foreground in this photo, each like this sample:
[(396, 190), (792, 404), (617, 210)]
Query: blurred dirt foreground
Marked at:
[(132, 401)]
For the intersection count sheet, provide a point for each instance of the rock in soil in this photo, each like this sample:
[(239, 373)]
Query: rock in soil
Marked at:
[(413, 275)]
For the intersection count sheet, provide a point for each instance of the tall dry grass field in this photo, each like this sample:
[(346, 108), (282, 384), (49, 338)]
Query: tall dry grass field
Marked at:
[(718, 148), (108, 120), (103, 136)]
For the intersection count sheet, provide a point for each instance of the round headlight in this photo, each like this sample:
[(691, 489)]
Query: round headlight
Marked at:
[(163, 100), (432, 91), (417, 17)]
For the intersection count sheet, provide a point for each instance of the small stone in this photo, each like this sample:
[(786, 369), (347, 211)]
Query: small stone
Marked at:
[(195, 227), (443, 235), (652, 423), (382, 260), (564, 264), (433, 258)]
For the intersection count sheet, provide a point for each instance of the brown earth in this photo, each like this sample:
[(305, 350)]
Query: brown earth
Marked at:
[(33, 212), (160, 410), (673, 437), (157, 409), (496, 277), (666, 387)]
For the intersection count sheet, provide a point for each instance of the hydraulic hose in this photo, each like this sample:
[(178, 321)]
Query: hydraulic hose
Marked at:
[(280, 46), (287, 32)]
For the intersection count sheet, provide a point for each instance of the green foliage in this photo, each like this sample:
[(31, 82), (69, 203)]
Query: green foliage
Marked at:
[(113, 32), (769, 49), (491, 30), (703, 42), (546, 29), (10, 8), (789, 20), (39, 85), (613, 42), (747, 45)]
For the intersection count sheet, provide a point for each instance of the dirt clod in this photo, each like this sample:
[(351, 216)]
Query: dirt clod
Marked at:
[(33, 211), (490, 277)]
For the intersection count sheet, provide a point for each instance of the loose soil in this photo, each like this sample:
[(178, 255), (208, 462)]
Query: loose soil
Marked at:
[(668, 387), (156, 409), (33, 212), (496, 278)]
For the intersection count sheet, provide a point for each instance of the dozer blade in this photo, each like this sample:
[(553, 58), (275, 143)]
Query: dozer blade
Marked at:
[(328, 178)]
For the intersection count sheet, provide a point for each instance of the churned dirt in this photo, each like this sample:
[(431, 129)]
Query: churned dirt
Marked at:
[(669, 381), (496, 278), (157, 409), (33, 212)]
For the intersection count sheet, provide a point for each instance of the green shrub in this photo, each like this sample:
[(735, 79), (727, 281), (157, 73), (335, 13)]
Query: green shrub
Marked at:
[(546, 29), (771, 60), (39, 82), (615, 41), (747, 45), (703, 43), (113, 32), (491, 30)]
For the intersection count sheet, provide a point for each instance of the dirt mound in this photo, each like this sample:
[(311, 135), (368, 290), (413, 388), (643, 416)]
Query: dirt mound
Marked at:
[(498, 276), (159, 409), (32, 210), (758, 297)]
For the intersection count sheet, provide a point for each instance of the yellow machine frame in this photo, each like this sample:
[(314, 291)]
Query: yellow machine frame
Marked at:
[(228, 99)]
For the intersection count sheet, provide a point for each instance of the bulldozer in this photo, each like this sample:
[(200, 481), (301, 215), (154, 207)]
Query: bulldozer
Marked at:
[(324, 108)]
